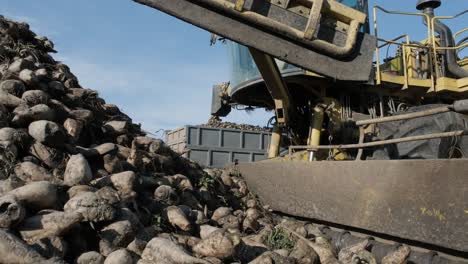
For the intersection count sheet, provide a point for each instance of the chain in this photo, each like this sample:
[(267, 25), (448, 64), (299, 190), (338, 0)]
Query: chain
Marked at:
[(330, 139), (330, 151)]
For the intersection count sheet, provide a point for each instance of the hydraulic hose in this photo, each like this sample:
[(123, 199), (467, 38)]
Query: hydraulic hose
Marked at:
[(446, 40)]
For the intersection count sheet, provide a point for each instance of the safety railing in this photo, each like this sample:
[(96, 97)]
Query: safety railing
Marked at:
[(459, 47), (459, 33), (455, 36), (403, 54), (402, 45)]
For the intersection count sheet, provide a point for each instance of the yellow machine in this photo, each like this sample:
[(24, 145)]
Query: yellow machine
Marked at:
[(377, 143)]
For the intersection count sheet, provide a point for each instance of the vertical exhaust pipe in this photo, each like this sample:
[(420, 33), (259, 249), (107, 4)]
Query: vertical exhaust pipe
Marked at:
[(446, 37)]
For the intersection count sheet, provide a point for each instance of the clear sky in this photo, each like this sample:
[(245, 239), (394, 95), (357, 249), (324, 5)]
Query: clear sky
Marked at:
[(157, 69)]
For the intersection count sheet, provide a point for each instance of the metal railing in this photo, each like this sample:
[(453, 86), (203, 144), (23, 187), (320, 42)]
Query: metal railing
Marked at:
[(459, 32), (432, 48), (455, 38), (402, 45), (403, 54), (435, 47)]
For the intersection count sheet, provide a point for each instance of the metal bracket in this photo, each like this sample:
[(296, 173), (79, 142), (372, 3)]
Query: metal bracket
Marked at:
[(274, 82), (334, 9), (275, 142), (283, 3), (239, 5), (314, 19)]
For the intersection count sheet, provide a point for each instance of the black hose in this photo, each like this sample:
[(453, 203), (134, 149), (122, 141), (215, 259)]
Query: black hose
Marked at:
[(446, 40)]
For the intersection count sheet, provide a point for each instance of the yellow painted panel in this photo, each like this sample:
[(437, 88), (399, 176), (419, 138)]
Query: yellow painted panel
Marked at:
[(452, 85), (389, 78), (462, 83)]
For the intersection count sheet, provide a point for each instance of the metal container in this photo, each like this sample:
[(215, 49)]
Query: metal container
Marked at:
[(217, 147)]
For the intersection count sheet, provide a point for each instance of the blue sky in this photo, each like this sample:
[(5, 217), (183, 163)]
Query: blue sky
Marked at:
[(157, 69)]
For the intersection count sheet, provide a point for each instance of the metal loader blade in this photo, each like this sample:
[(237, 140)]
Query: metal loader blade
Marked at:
[(418, 200), (353, 67)]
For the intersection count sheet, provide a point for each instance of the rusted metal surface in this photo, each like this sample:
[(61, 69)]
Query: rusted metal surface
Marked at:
[(354, 68), (418, 200)]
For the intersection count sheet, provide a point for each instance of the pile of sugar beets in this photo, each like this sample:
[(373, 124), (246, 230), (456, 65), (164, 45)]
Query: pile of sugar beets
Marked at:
[(80, 183), (216, 122)]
